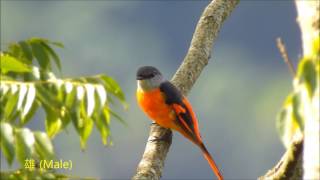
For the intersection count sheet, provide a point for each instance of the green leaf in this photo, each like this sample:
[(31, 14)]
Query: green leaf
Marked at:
[(70, 92), (53, 55), (22, 94), (24, 144), (4, 89), (53, 123), (9, 108), (296, 110), (102, 94), (27, 117), (11, 64), (30, 97), (287, 122), (90, 99), (113, 87), (7, 141), (58, 44), (78, 106), (14, 50), (85, 132), (99, 119), (26, 49), (102, 126), (41, 55), (307, 74), (114, 114), (47, 98), (43, 145), (76, 119), (82, 122)]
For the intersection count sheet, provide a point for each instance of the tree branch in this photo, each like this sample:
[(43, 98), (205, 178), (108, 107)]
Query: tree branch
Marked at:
[(290, 165), (301, 159), (309, 21), (198, 55)]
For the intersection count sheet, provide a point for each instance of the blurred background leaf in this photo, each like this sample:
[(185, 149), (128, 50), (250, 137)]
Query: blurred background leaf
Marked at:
[(28, 84), (303, 102)]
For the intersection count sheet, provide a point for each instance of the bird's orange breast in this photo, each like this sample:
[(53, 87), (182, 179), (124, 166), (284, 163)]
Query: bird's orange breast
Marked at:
[(153, 104)]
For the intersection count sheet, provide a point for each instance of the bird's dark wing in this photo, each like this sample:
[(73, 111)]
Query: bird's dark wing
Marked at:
[(175, 99)]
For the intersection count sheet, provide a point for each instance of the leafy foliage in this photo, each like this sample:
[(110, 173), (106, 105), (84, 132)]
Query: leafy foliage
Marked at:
[(23, 174), (303, 102), (28, 83)]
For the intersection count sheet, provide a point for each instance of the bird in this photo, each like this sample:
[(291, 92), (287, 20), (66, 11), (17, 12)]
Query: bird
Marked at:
[(162, 102)]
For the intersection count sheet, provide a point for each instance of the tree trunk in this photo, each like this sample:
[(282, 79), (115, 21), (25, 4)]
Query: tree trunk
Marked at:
[(309, 21)]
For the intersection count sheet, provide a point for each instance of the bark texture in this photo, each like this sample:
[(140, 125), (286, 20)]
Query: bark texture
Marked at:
[(290, 165), (197, 57)]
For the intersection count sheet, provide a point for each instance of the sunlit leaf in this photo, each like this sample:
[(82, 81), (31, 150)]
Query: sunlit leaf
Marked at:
[(80, 93), (22, 93), (102, 94), (307, 71), (47, 98), (90, 98), (24, 142), (113, 87), (11, 104), (43, 145), (11, 64), (4, 88), (36, 72), (53, 123), (14, 88), (85, 132), (7, 141), (70, 95), (68, 87), (27, 117), (297, 110), (287, 122), (102, 126), (59, 89), (29, 100)]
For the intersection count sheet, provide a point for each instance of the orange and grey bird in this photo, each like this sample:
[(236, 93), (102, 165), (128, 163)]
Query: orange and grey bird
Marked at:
[(165, 104)]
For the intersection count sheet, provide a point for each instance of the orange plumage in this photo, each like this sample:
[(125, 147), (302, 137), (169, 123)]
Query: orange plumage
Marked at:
[(165, 104), (153, 104)]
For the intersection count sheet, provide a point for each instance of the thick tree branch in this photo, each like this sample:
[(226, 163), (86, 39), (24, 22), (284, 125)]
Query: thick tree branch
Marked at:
[(309, 21), (198, 55), (301, 160)]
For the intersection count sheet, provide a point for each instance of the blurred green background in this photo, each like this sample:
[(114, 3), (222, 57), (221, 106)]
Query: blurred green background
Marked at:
[(236, 97)]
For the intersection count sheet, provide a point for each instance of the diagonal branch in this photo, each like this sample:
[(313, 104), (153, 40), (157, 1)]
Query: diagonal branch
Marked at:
[(290, 164), (198, 55)]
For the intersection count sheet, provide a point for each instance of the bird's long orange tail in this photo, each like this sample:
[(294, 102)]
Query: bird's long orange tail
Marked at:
[(211, 162)]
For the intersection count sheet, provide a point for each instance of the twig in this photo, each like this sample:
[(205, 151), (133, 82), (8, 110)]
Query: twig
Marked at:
[(198, 55), (284, 54)]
